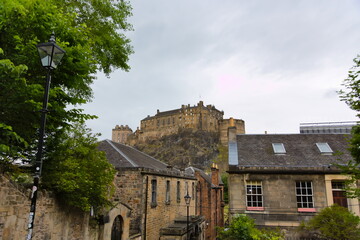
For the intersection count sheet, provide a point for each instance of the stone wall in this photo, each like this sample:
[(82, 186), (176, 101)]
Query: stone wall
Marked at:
[(52, 221)]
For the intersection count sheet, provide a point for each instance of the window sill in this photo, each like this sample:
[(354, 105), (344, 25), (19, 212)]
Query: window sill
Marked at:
[(306, 210), (255, 208)]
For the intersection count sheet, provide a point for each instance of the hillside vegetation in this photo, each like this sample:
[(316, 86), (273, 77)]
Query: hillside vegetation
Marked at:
[(186, 148)]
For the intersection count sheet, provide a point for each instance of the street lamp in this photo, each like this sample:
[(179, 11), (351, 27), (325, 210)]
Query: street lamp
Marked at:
[(187, 201), (50, 56)]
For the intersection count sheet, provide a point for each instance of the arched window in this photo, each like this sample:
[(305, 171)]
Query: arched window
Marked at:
[(117, 228)]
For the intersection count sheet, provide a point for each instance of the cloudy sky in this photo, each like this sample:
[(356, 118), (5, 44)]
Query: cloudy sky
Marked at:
[(273, 63)]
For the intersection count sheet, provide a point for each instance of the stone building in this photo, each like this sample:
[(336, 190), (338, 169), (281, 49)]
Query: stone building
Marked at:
[(121, 133), (153, 190), (210, 190), (281, 180), (197, 117)]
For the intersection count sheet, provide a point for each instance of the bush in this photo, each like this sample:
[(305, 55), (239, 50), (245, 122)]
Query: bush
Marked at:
[(335, 223), (243, 228)]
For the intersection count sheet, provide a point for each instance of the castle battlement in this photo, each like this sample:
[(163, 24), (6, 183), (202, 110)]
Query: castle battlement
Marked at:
[(197, 117)]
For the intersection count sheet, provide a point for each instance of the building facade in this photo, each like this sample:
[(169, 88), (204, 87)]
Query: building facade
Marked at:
[(197, 117), (282, 180), (210, 204), (153, 190)]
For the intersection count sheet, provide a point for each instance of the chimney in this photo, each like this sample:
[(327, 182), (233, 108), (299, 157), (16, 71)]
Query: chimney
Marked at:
[(231, 122), (214, 175)]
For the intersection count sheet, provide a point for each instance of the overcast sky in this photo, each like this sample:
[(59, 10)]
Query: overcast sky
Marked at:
[(273, 63)]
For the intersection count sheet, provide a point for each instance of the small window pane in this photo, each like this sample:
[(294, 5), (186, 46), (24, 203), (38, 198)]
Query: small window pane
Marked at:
[(278, 148), (324, 148)]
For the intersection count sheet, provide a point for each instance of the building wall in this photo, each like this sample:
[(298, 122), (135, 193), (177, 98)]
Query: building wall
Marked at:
[(197, 117), (224, 125), (210, 202), (121, 133), (133, 187), (279, 198)]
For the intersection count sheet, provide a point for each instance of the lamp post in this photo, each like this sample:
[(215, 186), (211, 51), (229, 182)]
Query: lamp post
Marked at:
[(187, 201), (50, 56)]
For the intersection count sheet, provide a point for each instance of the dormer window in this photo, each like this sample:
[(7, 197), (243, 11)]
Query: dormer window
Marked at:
[(279, 148), (324, 148)]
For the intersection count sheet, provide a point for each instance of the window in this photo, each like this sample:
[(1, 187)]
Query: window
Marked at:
[(338, 191), (178, 197), (304, 196), (279, 148), (254, 198), (153, 193), (167, 196), (324, 148), (193, 191)]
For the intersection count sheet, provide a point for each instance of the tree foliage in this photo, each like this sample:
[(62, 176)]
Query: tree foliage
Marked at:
[(243, 228), (77, 172), (351, 96), (91, 32), (333, 223)]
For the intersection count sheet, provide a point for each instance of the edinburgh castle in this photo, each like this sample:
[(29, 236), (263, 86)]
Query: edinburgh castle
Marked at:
[(198, 117)]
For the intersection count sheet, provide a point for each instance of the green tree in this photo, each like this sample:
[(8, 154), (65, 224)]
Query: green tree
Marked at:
[(333, 223), (77, 172), (91, 32), (243, 228), (351, 96)]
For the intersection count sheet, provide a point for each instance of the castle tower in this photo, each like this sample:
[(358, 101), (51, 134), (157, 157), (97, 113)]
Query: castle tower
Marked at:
[(121, 133)]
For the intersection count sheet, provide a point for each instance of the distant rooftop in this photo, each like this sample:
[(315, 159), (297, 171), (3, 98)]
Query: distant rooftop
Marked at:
[(328, 127)]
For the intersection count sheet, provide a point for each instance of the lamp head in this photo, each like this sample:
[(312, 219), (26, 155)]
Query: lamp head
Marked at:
[(50, 53)]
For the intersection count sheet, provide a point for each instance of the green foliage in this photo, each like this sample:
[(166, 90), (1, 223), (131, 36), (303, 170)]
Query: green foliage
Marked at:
[(243, 228), (91, 32), (351, 95), (224, 179), (77, 172), (333, 223), (352, 84), (187, 147)]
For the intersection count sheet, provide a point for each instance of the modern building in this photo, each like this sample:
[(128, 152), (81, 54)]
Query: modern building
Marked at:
[(327, 127), (281, 180)]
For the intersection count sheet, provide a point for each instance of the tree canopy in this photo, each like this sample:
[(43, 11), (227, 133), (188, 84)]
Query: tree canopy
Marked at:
[(91, 32), (333, 223)]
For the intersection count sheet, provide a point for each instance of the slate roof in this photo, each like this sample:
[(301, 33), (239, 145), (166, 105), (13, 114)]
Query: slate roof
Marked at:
[(301, 150), (123, 156), (192, 170)]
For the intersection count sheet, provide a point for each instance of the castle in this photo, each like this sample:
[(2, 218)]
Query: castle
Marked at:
[(197, 117)]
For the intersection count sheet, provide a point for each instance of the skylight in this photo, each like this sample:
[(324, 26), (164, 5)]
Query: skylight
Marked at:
[(324, 148), (279, 148)]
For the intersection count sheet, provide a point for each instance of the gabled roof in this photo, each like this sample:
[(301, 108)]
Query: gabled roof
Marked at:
[(301, 150), (122, 156)]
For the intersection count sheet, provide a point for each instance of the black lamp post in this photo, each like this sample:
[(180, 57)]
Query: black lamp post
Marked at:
[(187, 201), (50, 55)]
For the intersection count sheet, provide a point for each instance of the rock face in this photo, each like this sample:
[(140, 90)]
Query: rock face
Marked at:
[(185, 148)]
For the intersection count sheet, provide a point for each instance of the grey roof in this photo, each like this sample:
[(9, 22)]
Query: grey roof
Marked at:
[(207, 177), (123, 156), (301, 150)]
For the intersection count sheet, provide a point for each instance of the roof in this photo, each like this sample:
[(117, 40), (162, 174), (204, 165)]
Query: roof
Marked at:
[(301, 150), (123, 156), (206, 177)]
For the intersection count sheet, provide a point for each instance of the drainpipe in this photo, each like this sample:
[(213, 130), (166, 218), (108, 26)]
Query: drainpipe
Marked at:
[(146, 203)]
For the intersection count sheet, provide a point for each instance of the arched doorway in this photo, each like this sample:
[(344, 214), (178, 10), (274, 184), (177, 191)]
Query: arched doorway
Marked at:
[(117, 228)]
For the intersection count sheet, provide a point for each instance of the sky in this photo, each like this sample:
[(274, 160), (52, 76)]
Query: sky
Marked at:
[(272, 63)]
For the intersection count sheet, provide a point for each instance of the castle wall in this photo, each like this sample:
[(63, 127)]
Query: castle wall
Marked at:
[(198, 117), (224, 124)]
